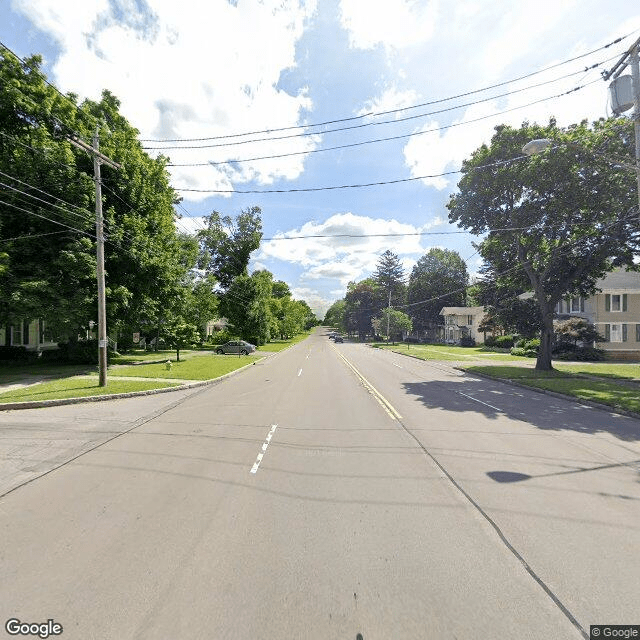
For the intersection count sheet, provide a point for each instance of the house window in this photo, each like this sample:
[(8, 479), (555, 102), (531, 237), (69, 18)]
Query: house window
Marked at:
[(577, 304), (638, 333), (16, 335), (616, 302), (616, 332), (469, 320)]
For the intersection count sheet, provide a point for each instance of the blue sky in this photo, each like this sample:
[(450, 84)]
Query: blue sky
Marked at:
[(197, 70)]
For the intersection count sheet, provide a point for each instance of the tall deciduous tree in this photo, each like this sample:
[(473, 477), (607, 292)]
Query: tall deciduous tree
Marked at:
[(364, 300), (437, 280), (227, 244), (556, 222), (246, 305)]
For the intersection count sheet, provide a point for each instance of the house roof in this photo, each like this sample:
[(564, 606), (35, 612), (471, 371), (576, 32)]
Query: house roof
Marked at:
[(620, 280), (462, 311)]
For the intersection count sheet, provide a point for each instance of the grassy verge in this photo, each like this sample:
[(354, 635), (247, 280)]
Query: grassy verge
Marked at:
[(195, 368), (78, 388), (14, 373), (446, 352), (603, 369), (617, 396), (279, 345)]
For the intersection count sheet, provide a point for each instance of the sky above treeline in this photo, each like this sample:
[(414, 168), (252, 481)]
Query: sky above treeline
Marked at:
[(275, 103)]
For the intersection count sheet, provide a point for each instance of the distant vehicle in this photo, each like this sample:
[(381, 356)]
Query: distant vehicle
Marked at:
[(332, 335), (338, 339), (236, 346)]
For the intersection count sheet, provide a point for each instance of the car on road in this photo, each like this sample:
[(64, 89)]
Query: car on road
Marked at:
[(236, 346), (338, 339)]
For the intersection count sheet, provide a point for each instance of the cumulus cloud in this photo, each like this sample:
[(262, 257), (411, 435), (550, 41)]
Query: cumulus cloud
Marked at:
[(439, 147), (187, 69), (346, 255), (389, 100)]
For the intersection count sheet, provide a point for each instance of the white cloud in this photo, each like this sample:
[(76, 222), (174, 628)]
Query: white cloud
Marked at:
[(390, 100), (318, 303), (393, 23), (346, 256), (187, 69)]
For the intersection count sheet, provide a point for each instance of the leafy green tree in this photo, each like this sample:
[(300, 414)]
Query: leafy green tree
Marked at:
[(364, 300), (439, 279), (335, 315), (395, 321), (50, 191), (226, 244), (280, 289), (246, 306), (180, 334), (556, 222)]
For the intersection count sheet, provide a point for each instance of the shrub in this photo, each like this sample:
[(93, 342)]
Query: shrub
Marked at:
[(467, 341), (14, 354), (504, 342), (582, 354), (220, 337), (490, 341)]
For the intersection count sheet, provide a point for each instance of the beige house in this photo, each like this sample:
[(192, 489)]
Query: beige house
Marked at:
[(32, 335), (615, 312), (462, 322)]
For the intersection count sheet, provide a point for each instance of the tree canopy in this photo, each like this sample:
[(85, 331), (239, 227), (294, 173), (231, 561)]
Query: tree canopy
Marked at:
[(556, 222), (437, 280)]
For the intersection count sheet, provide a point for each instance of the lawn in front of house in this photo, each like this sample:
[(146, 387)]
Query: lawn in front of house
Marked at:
[(448, 352), (204, 367), (568, 382), (78, 387)]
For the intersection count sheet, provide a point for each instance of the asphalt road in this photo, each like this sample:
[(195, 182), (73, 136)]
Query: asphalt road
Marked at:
[(332, 491)]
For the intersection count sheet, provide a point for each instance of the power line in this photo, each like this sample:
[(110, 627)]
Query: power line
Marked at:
[(9, 204), (375, 141), (381, 122), (30, 236), (401, 109), (353, 186)]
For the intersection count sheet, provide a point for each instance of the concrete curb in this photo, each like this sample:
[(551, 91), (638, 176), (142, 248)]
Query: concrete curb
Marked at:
[(590, 403), (38, 404)]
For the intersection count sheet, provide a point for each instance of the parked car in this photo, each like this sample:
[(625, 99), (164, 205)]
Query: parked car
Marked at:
[(236, 346), (338, 339)]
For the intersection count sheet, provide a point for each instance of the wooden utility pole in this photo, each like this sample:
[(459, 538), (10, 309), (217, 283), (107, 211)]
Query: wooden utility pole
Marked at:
[(99, 158)]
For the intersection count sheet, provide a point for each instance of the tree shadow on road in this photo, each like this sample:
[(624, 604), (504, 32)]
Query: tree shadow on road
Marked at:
[(494, 399)]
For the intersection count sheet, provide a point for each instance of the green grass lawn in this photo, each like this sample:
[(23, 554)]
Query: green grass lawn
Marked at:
[(78, 388), (13, 373), (195, 368), (279, 345), (567, 381), (449, 352), (603, 369)]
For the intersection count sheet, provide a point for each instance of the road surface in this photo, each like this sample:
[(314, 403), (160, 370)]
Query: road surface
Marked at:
[(332, 491)]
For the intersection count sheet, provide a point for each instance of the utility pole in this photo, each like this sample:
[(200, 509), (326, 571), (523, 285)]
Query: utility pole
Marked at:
[(389, 314), (99, 158), (631, 58)]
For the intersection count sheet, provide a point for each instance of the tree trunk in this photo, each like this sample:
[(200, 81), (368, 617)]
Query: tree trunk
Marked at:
[(177, 354), (543, 363)]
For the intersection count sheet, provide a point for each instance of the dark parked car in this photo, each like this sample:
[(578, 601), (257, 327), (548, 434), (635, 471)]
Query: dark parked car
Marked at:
[(236, 346)]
